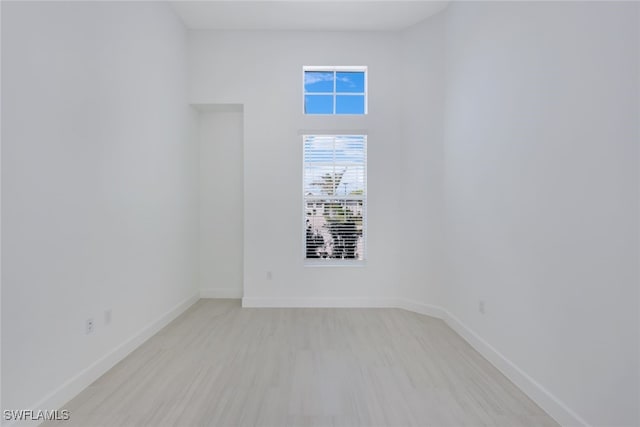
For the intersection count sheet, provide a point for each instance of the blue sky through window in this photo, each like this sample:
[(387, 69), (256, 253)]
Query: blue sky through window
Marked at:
[(318, 104), (326, 92), (318, 81), (350, 104), (350, 82)]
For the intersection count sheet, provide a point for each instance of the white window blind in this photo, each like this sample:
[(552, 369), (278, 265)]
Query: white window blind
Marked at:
[(335, 197)]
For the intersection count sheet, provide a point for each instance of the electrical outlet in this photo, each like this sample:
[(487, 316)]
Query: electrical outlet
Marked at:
[(269, 275), (107, 316), (89, 325), (481, 306)]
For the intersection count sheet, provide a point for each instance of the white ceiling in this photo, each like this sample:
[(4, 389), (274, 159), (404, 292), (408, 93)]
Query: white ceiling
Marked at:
[(316, 15)]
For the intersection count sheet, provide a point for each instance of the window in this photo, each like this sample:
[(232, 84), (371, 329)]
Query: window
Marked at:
[(335, 90), (335, 197)]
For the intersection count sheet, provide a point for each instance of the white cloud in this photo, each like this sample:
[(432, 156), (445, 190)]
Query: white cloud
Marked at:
[(346, 80), (315, 77)]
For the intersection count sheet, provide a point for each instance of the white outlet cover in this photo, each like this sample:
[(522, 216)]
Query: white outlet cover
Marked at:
[(89, 326)]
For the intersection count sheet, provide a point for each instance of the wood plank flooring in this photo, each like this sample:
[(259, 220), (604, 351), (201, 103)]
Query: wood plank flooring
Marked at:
[(222, 365)]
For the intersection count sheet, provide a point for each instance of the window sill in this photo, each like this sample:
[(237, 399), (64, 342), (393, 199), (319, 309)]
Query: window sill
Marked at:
[(334, 263)]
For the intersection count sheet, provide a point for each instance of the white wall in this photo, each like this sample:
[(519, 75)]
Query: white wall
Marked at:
[(541, 187), (99, 184), (422, 122), (221, 201), (263, 71), (0, 213)]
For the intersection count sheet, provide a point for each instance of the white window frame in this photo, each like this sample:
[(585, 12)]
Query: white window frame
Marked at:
[(331, 262), (336, 69)]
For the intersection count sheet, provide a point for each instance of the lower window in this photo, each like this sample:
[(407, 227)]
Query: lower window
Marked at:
[(335, 178)]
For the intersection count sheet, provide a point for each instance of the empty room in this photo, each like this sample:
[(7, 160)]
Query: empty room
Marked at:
[(320, 213)]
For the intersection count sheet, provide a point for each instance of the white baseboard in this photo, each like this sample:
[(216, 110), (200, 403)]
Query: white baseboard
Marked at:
[(547, 401), (230, 293), (84, 378), (420, 308), (319, 302), (364, 302)]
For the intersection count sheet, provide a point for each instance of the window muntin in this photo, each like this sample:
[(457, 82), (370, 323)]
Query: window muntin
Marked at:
[(335, 90), (334, 185)]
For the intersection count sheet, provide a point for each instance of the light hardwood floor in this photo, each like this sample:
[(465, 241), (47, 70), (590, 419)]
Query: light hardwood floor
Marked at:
[(222, 365)]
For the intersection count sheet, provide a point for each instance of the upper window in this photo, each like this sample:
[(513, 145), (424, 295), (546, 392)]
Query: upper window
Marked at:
[(335, 90)]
